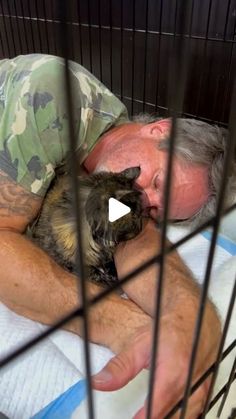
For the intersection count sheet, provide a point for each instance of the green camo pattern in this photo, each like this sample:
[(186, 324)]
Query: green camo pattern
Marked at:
[(34, 130)]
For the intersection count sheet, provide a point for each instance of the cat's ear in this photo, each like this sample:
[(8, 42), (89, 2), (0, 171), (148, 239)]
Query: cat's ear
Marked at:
[(131, 173)]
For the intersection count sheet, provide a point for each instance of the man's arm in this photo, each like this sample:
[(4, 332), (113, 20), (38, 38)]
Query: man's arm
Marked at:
[(33, 285), (179, 284), (181, 294), (180, 305)]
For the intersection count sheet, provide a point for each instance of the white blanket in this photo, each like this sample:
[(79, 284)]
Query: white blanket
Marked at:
[(44, 373)]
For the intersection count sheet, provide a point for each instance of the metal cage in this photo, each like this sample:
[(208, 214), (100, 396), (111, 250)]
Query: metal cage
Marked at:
[(164, 57)]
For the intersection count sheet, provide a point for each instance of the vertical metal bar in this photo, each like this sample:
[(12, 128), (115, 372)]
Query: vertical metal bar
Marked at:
[(230, 380), (159, 292), (46, 26), (71, 46), (17, 25), (208, 19), (111, 42), (178, 76), (204, 55), (31, 25), (80, 32), (176, 14), (100, 39), (122, 50), (191, 19), (23, 21), (229, 74), (145, 55), (158, 58), (38, 27), (52, 11), (5, 30), (221, 347), (227, 19), (2, 45), (219, 209), (11, 28), (217, 69), (90, 37), (79, 256), (133, 54)]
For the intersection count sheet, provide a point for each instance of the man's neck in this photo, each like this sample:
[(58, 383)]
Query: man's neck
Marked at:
[(106, 145)]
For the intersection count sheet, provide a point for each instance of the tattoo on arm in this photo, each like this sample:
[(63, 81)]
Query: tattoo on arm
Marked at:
[(16, 201)]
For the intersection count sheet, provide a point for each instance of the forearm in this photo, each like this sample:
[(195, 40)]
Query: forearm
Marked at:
[(142, 289), (181, 295), (33, 285)]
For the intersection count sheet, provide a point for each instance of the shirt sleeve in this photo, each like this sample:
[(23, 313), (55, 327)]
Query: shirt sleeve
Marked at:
[(34, 130)]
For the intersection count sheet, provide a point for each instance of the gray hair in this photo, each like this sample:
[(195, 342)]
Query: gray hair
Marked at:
[(201, 143)]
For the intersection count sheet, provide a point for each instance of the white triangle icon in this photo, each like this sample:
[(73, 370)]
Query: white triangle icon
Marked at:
[(117, 209)]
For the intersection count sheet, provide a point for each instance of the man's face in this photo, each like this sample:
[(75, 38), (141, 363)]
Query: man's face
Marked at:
[(137, 145)]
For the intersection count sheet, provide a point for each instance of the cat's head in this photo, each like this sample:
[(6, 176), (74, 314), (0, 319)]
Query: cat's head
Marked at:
[(119, 186)]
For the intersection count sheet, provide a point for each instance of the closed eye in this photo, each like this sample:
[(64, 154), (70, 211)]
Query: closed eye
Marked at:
[(157, 182)]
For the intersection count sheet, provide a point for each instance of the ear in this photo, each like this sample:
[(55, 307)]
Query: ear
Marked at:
[(156, 129), (131, 173)]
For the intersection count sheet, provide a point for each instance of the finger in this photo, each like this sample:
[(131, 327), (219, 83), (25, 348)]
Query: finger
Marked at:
[(123, 367), (162, 405), (141, 414)]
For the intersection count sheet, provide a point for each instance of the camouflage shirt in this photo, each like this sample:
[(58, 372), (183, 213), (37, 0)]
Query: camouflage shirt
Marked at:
[(34, 128)]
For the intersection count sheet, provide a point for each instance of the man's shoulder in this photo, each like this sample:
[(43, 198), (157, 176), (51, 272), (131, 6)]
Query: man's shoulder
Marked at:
[(89, 83), (43, 72), (29, 63)]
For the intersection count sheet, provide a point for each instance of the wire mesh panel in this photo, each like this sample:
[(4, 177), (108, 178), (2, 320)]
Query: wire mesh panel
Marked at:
[(167, 58), (127, 46)]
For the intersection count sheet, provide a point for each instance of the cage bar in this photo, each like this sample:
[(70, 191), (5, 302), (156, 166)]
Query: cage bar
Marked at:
[(220, 351), (227, 165), (35, 16), (225, 393), (177, 80), (63, 12)]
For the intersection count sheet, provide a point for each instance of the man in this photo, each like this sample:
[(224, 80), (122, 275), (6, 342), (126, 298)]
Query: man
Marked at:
[(33, 141)]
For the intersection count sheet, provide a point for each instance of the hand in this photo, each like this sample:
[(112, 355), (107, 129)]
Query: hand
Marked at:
[(180, 304), (171, 369)]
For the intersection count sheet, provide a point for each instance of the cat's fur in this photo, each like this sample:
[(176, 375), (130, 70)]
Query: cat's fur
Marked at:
[(55, 228)]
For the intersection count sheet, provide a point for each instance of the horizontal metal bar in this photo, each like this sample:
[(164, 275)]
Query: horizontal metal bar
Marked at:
[(220, 393), (202, 379), (166, 109), (221, 347), (232, 376), (80, 310), (117, 28)]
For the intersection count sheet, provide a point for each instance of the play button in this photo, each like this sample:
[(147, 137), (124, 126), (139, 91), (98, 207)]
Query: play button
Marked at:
[(116, 210)]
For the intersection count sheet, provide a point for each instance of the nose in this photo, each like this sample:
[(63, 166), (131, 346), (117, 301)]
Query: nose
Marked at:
[(154, 213)]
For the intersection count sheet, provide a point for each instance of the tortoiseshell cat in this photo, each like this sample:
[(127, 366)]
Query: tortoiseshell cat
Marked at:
[(55, 228)]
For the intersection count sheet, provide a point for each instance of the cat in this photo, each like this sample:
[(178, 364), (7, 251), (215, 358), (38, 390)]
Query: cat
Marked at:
[(55, 229)]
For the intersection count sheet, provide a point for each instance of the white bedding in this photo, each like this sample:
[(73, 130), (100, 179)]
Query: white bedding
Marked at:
[(47, 371)]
